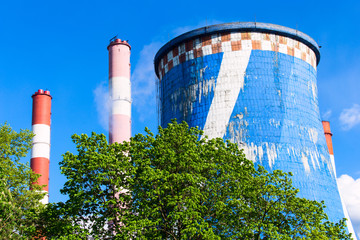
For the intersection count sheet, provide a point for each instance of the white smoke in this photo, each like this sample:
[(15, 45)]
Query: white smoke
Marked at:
[(326, 115), (143, 78), (102, 102), (350, 192), (180, 30), (143, 82), (350, 117)]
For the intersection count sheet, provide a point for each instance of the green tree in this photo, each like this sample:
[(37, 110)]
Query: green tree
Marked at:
[(19, 206), (176, 185)]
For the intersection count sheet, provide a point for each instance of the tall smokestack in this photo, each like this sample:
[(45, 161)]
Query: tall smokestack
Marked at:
[(40, 153), (120, 91), (328, 136)]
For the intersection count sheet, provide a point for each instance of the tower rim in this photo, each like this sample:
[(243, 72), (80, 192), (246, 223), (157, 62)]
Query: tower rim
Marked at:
[(239, 27), (118, 41)]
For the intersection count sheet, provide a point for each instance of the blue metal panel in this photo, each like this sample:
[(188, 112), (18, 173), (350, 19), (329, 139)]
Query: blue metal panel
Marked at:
[(187, 90), (279, 108)]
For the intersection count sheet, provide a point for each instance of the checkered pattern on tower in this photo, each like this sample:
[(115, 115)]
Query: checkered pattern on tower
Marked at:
[(237, 41)]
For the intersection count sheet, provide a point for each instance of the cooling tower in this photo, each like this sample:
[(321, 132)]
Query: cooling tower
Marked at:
[(255, 85)]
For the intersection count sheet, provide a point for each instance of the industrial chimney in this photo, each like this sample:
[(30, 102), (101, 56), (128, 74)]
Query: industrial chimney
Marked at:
[(40, 153), (119, 90), (328, 137)]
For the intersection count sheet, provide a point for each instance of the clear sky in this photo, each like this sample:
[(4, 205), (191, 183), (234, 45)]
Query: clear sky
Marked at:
[(61, 46)]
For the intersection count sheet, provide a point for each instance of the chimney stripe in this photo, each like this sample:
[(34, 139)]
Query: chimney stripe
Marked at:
[(42, 133)]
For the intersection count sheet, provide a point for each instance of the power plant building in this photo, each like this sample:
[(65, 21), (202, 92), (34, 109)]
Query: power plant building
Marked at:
[(253, 84)]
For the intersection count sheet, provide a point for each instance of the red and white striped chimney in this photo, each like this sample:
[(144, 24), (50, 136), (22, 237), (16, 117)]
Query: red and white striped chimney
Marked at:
[(328, 137), (120, 91), (40, 154)]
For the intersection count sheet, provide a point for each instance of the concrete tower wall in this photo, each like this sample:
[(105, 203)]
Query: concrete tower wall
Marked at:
[(40, 154), (254, 84)]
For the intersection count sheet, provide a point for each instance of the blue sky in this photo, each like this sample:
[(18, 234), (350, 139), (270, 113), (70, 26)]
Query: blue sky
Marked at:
[(61, 46)]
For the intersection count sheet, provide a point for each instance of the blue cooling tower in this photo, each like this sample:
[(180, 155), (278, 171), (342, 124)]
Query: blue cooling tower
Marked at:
[(254, 84)]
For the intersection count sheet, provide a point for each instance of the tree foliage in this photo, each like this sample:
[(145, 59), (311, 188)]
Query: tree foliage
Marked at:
[(19, 206), (176, 185)]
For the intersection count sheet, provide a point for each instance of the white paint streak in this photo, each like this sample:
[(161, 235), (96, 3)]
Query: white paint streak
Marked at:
[(252, 151), (229, 83), (317, 161), (314, 90), (260, 153), (193, 94), (333, 164), (271, 153), (274, 122), (312, 160), (328, 162), (305, 161), (313, 133)]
